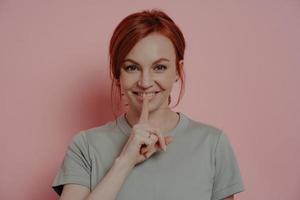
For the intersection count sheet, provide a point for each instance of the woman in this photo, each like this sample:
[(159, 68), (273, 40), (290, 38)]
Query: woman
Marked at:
[(150, 151)]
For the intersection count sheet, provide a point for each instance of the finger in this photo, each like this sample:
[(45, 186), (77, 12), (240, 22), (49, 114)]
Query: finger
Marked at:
[(150, 152), (145, 141), (144, 150), (145, 109), (169, 139), (154, 140), (161, 140)]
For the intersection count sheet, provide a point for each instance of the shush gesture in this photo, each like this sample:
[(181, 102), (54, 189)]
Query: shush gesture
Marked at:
[(159, 142), (144, 140)]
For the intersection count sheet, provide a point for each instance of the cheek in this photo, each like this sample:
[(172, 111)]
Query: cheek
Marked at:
[(127, 82), (166, 82)]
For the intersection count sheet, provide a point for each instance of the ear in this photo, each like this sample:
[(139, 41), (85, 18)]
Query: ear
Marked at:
[(180, 64)]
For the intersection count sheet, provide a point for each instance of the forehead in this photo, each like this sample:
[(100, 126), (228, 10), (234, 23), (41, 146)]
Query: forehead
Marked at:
[(151, 48)]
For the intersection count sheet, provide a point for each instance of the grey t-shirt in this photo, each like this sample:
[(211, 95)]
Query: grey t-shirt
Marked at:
[(199, 164)]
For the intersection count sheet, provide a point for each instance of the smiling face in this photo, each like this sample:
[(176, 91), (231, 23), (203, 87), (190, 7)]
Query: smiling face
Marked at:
[(149, 67)]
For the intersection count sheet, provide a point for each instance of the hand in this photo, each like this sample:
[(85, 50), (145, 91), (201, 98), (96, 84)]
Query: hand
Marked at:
[(148, 151), (144, 140)]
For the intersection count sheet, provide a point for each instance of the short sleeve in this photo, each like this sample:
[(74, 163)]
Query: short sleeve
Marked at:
[(76, 165), (227, 179)]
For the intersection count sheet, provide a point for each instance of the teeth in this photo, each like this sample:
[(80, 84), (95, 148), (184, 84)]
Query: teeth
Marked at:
[(147, 93)]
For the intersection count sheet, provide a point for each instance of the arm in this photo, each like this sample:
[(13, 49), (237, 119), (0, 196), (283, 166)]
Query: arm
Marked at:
[(107, 188), (111, 184)]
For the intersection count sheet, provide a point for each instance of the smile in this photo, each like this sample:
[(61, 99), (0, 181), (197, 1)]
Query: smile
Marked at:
[(150, 95)]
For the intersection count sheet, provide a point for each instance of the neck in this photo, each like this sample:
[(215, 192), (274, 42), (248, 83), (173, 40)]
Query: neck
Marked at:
[(162, 119)]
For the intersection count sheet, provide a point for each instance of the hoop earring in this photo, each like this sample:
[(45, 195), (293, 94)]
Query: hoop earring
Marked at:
[(124, 99)]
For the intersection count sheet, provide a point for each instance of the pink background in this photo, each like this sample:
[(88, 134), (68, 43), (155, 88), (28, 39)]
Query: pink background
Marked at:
[(242, 64)]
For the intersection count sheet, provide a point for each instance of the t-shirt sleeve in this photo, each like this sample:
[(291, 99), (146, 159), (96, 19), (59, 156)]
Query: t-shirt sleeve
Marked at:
[(227, 179), (76, 165)]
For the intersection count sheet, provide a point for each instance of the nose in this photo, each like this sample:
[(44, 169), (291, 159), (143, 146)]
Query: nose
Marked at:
[(145, 81)]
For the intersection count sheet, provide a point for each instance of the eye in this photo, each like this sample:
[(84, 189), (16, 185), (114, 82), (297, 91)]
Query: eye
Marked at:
[(130, 68), (160, 67)]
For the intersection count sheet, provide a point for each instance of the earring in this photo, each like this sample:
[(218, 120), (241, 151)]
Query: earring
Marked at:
[(122, 92)]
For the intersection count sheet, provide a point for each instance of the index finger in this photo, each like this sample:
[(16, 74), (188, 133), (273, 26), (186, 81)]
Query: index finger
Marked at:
[(145, 109), (161, 139)]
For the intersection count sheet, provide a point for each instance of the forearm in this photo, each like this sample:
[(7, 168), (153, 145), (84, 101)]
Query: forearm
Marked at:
[(110, 185)]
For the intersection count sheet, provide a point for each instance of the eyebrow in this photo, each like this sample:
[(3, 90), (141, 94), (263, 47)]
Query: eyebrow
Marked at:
[(157, 61)]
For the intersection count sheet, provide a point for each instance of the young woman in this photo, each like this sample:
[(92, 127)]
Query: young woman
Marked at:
[(150, 151)]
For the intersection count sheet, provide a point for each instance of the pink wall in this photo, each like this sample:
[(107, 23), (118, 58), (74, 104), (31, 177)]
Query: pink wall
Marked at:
[(242, 63)]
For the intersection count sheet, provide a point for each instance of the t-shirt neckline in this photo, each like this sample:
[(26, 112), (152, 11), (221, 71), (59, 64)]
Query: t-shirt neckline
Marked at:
[(181, 125)]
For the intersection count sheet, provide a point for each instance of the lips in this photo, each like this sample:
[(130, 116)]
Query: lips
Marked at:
[(147, 93), (150, 95)]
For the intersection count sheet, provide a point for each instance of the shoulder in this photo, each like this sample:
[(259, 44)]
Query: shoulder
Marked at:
[(102, 134), (203, 134), (203, 129)]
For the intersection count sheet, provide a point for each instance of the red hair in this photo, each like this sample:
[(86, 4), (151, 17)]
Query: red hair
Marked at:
[(135, 27)]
